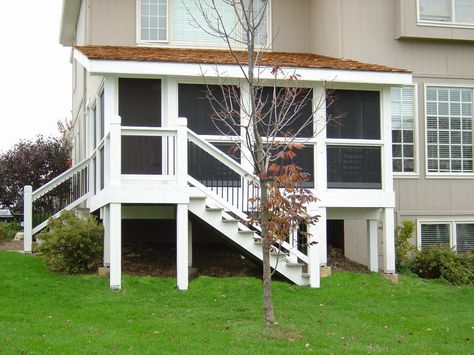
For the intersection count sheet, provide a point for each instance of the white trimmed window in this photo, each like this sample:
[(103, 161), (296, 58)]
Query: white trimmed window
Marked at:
[(403, 129), (186, 22), (154, 20), (459, 12), (458, 235), (449, 130)]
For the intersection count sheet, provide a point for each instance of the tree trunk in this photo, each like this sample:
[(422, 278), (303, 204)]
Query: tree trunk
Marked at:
[(267, 271)]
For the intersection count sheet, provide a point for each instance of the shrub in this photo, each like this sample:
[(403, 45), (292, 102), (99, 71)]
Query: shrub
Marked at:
[(71, 244), (403, 247), (443, 263), (8, 230)]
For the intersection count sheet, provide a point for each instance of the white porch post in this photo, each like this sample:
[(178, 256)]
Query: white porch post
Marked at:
[(372, 245), (106, 224), (182, 151), (115, 246), (314, 267), (389, 241), (182, 246), (190, 244), (27, 219), (322, 236)]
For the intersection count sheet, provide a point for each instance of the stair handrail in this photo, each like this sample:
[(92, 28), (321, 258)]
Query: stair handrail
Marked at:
[(237, 168), (68, 173), (221, 156), (50, 185)]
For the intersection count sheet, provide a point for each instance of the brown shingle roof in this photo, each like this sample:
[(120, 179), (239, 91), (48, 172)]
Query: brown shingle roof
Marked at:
[(206, 56)]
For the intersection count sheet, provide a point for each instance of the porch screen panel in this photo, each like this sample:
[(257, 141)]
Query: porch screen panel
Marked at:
[(354, 167), (140, 102), (201, 111), (353, 114), (141, 155), (464, 237), (305, 160), (434, 235), (290, 108)]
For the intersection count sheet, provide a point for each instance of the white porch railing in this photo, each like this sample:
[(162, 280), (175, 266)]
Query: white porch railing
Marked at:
[(183, 157)]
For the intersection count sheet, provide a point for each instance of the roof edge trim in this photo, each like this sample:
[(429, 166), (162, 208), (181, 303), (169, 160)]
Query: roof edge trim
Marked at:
[(69, 16)]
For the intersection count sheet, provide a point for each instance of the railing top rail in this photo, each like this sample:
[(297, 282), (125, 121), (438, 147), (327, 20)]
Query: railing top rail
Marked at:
[(147, 131), (221, 156)]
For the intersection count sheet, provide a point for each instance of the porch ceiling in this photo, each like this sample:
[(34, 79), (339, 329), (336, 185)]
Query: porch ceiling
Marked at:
[(221, 57)]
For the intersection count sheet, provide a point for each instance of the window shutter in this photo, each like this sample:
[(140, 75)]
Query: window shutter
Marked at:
[(434, 235), (187, 19), (464, 237), (464, 11), (435, 10)]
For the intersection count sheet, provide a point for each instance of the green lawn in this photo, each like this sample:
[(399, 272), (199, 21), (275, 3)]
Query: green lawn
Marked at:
[(41, 312)]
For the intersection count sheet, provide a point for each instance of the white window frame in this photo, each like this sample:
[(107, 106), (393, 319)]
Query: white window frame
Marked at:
[(452, 229), (139, 24), (452, 23), (443, 175), (169, 43), (416, 143), (382, 143)]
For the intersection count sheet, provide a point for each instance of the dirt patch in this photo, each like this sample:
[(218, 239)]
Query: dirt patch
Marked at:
[(339, 262), (12, 245), (211, 260)]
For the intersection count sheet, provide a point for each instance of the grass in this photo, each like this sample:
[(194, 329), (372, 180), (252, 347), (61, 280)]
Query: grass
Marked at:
[(46, 313)]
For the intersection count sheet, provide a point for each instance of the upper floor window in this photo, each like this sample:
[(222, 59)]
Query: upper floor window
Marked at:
[(449, 130), (403, 129), (193, 23), (459, 12)]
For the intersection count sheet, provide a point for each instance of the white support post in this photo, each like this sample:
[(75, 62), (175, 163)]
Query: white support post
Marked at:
[(114, 165), (182, 151), (372, 245), (115, 246), (190, 244), (293, 239), (106, 224), (182, 270), (27, 219), (314, 267), (389, 241), (322, 236)]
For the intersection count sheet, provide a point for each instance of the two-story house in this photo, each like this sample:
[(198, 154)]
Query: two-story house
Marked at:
[(146, 150)]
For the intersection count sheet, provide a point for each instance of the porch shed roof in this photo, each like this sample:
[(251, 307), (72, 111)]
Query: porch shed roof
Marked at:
[(222, 57)]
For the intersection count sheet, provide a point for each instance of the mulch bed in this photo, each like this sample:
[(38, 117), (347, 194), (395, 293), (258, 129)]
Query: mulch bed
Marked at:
[(12, 245), (211, 260)]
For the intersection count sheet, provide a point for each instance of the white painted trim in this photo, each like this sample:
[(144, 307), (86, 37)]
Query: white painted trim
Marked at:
[(103, 67), (386, 134), (389, 240), (115, 253)]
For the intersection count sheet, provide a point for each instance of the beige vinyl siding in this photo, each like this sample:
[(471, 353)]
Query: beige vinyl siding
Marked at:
[(113, 22), (349, 29)]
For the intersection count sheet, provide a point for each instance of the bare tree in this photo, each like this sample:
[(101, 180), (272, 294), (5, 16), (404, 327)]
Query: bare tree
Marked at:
[(273, 119)]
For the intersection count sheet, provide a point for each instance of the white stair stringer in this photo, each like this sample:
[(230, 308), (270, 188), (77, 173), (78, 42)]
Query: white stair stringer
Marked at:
[(237, 232)]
